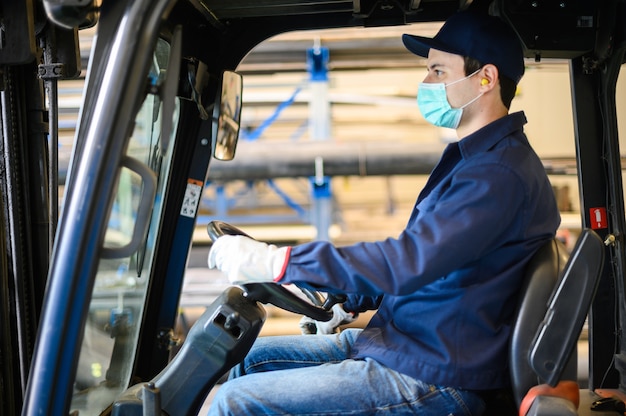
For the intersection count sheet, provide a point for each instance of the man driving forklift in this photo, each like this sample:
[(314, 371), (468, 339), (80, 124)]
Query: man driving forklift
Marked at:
[(445, 289)]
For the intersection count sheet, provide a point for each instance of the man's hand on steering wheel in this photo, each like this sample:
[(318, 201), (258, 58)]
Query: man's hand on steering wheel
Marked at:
[(258, 267), (245, 260)]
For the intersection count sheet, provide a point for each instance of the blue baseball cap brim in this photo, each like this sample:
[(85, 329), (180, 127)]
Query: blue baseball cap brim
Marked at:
[(480, 36)]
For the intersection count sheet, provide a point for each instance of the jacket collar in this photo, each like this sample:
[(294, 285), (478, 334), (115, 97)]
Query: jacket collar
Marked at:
[(488, 136)]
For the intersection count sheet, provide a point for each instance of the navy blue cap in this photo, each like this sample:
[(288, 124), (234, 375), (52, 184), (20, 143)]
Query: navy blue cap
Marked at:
[(480, 36)]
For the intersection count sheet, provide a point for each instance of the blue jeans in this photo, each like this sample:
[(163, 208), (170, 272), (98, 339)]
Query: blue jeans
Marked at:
[(312, 375)]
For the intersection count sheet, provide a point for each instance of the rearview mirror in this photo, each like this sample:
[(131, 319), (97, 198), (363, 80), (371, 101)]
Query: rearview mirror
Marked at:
[(73, 13), (227, 116)]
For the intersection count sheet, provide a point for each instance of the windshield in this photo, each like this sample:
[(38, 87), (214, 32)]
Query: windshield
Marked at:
[(112, 327)]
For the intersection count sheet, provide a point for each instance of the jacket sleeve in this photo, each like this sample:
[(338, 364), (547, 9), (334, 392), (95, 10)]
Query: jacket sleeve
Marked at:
[(480, 209)]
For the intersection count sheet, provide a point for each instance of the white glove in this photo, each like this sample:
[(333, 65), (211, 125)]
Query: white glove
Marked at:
[(310, 326), (245, 260)]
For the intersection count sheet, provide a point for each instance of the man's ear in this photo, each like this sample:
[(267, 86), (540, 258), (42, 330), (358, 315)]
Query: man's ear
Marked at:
[(489, 77)]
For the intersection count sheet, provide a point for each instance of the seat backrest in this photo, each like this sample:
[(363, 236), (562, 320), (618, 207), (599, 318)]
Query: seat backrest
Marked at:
[(569, 305), (541, 276), (556, 296)]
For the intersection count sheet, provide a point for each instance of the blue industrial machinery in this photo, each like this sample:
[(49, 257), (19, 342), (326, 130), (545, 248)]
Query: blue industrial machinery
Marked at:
[(320, 213)]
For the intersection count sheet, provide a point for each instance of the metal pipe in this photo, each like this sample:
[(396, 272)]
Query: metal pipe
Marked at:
[(264, 160), (53, 167)]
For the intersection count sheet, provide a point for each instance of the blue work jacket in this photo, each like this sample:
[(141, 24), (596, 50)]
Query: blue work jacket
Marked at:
[(446, 288)]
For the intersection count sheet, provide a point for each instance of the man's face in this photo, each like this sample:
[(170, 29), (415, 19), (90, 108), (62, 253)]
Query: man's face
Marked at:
[(445, 68)]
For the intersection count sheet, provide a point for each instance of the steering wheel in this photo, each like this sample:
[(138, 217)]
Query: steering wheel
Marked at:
[(276, 294)]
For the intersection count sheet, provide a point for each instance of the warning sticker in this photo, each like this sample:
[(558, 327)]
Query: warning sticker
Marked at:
[(597, 217), (193, 192)]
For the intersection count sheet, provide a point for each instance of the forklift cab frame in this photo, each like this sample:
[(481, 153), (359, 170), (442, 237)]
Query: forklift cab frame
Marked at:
[(162, 62)]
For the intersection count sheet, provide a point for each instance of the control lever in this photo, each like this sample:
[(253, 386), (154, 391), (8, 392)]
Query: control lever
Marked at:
[(151, 398), (332, 300)]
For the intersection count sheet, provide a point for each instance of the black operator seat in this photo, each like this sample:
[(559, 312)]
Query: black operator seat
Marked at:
[(556, 295), (541, 277)]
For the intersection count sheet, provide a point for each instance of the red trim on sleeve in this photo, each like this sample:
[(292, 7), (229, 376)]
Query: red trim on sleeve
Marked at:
[(282, 271)]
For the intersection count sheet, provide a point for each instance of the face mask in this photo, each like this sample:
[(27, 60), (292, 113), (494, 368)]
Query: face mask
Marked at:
[(434, 106)]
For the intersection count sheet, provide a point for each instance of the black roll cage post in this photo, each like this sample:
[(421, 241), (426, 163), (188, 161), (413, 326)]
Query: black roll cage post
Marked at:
[(600, 184), (113, 91)]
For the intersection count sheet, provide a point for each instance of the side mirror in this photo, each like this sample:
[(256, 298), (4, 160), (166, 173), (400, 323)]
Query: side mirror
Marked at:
[(227, 116), (72, 13)]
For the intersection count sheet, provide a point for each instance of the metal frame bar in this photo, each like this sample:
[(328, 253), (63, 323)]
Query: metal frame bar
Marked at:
[(599, 175), (117, 75)]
